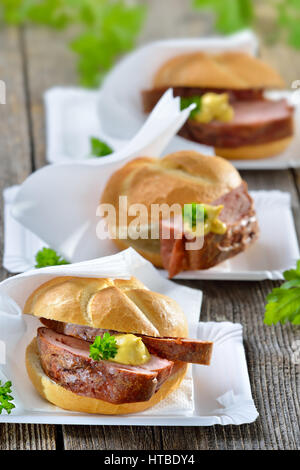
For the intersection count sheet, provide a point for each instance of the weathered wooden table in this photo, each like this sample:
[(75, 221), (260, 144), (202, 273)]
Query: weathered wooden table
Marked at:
[(32, 60)]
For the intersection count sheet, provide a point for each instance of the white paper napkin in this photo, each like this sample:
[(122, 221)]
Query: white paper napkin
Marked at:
[(72, 117), (18, 330), (58, 202), (114, 113)]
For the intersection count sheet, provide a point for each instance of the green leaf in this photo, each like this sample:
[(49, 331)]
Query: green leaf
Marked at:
[(193, 213), (288, 18), (292, 273), (48, 257), (294, 34), (231, 15), (111, 29), (283, 303), (99, 148), (104, 348), (186, 102), (6, 398)]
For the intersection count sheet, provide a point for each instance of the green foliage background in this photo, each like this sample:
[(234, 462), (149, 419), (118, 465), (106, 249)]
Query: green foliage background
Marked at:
[(233, 15), (109, 28)]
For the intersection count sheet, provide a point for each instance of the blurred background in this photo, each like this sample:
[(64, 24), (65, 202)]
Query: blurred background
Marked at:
[(88, 36), (44, 43)]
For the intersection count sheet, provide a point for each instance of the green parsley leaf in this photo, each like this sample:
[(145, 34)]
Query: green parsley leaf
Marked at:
[(193, 213), (48, 257), (283, 303), (99, 148), (186, 102), (6, 398), (104, 348)]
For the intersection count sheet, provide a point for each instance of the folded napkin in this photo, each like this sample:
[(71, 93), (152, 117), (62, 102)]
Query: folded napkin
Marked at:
[(58, 202), (17, 330)]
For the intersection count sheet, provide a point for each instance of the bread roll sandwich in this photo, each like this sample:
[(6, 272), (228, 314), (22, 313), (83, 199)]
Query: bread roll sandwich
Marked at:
[(108, 346), (188, 179), (232, 114)]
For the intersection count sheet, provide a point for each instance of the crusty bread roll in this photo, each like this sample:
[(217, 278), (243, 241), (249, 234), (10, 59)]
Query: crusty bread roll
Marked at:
[(178, 178), (63, 398), (229, 70), (121, 305), (252, 152)]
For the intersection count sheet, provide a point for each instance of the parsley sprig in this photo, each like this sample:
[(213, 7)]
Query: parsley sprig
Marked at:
[(186, 102), (6, 398), (99, 148), (283, 303), (193, 213), (104, 348), (48, 257)]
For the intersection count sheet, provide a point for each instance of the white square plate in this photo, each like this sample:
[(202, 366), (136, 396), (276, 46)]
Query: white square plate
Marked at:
[(267, 258)]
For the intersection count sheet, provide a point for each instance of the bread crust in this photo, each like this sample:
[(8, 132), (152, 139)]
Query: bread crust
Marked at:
[(154, 258), (255, 152), (121, 305), (180, 177), (229, 70), (63, 398)]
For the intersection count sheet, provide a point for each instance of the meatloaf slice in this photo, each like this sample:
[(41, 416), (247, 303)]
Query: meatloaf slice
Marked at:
[(242, 229), (66, 360), (254, 123), (175, 349), (151, 97)]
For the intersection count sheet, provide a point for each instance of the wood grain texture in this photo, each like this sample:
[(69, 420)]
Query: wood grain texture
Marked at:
[(32, 61), (15, 165), (49, 63)]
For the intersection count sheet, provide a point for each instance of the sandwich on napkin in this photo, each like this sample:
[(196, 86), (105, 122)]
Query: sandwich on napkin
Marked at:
[(108, 346), (206, 188), (232, 114)]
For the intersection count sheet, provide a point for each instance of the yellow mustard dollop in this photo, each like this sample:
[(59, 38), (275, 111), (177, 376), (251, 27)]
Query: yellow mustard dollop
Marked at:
[(215, 106), (211, 222), (131, 350)]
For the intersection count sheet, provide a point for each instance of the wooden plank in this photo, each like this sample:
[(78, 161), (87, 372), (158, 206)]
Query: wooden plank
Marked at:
[(15, 165), (111, 438), (272, 369), (49, 63)]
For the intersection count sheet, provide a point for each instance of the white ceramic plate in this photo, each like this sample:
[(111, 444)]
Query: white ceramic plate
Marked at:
[(276, 250)]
